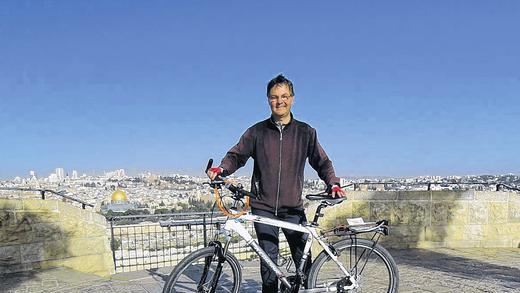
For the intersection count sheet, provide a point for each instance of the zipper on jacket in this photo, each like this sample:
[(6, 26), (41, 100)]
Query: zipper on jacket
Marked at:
[(280, 128)]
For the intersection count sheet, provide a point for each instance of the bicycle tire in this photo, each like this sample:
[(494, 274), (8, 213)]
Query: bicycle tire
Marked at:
[(186, 276), (380, 274)]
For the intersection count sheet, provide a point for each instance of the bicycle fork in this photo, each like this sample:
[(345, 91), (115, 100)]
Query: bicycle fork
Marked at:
[(219, 254)]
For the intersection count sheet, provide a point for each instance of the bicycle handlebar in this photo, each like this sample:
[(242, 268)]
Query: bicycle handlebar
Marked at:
[(210, 162), (237, 190), (240, 192)]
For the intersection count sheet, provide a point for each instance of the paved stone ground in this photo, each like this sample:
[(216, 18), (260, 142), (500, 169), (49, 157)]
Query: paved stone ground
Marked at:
[(438, 270)]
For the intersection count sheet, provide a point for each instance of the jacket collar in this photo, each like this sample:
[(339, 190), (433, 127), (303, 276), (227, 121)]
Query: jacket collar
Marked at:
[(273, 123)]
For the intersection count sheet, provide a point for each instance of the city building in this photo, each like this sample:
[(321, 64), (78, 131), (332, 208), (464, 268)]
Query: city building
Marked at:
[(118, 203)]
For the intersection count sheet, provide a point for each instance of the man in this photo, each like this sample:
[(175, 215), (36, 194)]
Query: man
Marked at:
[(280, 147)]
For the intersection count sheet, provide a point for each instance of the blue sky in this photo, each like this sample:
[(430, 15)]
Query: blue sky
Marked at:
[(397, 88)]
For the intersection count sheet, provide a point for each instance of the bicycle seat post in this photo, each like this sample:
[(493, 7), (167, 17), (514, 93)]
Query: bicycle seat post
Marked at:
[(318, 214)]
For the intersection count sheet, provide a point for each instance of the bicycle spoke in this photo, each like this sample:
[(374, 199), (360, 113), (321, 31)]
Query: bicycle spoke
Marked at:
[(198, 275), (368, 263)]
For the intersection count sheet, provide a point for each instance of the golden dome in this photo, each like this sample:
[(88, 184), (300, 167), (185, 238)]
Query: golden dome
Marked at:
[(119, 195)]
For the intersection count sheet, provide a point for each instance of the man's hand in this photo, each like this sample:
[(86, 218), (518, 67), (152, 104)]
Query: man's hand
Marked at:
[(338, 191), (214, 172)]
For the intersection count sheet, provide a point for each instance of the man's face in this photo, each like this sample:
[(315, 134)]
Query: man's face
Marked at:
[(280, 100)]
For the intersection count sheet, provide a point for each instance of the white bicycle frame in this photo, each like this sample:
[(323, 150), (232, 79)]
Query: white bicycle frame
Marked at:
[(236, 225)]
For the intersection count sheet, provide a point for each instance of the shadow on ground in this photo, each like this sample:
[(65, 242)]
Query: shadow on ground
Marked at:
[(13, 280), (458, 266), (157, 275)]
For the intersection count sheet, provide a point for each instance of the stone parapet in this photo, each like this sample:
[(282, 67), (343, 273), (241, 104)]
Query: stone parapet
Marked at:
[(432, 219), (37, 234)]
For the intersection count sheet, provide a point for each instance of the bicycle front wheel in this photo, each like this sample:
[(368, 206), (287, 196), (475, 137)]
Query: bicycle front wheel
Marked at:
[(369, 263), (196, 273)]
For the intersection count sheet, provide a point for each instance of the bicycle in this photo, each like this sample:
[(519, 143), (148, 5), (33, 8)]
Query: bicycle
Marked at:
[(348, 265)]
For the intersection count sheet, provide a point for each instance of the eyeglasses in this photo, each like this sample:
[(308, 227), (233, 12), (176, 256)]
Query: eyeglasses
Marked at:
[(275, 98)]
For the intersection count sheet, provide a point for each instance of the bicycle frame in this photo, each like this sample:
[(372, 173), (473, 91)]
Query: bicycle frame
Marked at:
[(236, 225)]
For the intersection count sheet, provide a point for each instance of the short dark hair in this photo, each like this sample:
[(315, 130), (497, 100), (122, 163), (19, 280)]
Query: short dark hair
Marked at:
[(280, 79)]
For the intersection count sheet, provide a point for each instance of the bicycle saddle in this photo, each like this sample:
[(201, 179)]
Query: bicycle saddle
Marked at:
[(327, 198)]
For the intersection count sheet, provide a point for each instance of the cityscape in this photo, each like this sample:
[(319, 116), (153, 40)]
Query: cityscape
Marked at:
[(119, 192)]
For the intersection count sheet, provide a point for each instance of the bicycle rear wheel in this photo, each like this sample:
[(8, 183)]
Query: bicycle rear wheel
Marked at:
[(196, 272), (372, 266)]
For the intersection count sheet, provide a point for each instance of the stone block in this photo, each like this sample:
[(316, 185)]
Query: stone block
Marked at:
[(462, 243), (29, 229), (99, 219), (9, 255), (361, 209), (75, 229), (7, 218), (497, 212), (87, 246), (446, 195), (394, 242), (496, 243), (492, 232), (494, 196), (46, 232), (478, 213), (41, 205), (72, 229), (445, 233), (514, 210), (31, 217), (430, 245), (412, 213), (372, 195), (404, 233), (13, 268), (446, 212), (93, 230), (31, 252), (414, 195), (10, 204), (68, 211), (435, 233), (86, 215), (56, 250), (515, 229), (15, 234), (380, 210), (473, 232), (101, 264)]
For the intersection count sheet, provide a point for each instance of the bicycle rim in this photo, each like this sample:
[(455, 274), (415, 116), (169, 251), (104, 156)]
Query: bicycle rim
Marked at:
[(374, 268), (196, 273)]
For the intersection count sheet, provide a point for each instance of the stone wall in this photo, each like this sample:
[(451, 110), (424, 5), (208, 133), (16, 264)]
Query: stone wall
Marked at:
[(38, 234), (428, 219)]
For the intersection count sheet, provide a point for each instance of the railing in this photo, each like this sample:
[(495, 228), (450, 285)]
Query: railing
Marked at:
[(428, 185), (355, 186), (43, 192), (152, 241)]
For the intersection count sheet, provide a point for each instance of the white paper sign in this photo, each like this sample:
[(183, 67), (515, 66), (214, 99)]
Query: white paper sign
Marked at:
[(355, 221)]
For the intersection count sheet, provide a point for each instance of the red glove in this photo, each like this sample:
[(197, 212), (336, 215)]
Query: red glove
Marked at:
[(336, 188), (217, 170)]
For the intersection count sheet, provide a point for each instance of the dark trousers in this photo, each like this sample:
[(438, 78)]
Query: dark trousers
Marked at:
[(268, 240)]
